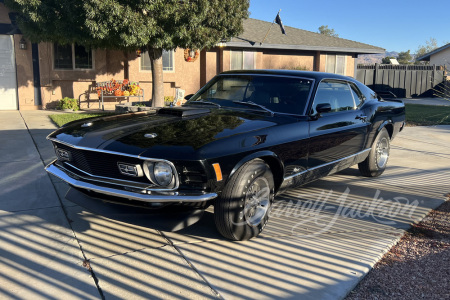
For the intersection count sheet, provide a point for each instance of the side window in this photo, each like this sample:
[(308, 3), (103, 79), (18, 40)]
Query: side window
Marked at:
[(335, 64), (242, 60), (357, 95), (167, 57), (72, 57), (336, 93)]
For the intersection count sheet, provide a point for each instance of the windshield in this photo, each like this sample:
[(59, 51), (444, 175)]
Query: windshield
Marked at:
[(274, 93)]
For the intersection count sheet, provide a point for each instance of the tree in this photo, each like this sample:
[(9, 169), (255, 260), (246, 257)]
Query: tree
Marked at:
[(404, 58), (327, 31), (386, 60), (429, 46), (155, 25)]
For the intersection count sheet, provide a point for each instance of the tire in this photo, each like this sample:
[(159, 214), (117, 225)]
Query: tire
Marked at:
[(242, 211), (375, 164)]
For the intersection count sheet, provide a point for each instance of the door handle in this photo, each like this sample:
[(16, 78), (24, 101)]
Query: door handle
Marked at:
[(361, 117)]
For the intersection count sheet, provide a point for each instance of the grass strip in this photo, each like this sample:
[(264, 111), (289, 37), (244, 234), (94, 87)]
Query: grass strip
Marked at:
[(61, 119)]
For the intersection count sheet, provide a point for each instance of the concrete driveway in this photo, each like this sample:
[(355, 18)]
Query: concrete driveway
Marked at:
[(321, 240)]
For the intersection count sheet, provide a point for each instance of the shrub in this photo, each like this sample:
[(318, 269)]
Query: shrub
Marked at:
[(68, 103), (296, 67)]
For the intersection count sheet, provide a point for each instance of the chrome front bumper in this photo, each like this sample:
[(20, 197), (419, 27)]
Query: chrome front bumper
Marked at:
[(149, 196)]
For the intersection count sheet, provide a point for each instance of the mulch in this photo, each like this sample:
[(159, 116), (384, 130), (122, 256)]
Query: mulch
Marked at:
[(417, 267)]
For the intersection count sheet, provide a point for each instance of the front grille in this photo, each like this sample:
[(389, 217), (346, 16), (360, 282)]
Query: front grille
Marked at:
[(101, 164)]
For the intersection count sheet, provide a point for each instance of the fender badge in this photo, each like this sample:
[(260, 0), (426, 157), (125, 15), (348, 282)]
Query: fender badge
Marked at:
[(88, 124), (150, 135)]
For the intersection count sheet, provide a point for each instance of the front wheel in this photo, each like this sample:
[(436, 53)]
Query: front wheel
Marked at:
[(375, 164), (242, 211)]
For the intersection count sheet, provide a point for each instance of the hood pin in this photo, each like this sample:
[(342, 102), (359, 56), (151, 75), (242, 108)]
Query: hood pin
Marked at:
[(150, 135)]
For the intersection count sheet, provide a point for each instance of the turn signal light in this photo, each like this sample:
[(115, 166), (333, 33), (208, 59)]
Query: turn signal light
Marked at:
[(218, 171)]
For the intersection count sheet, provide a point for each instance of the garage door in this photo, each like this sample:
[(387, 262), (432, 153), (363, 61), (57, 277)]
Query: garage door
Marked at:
[(8, 82)]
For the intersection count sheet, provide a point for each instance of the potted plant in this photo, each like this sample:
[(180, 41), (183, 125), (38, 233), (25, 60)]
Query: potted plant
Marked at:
[(142, 107), (68, 104)]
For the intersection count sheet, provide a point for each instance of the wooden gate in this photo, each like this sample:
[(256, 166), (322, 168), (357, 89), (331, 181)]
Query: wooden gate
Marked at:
[(404, 81)]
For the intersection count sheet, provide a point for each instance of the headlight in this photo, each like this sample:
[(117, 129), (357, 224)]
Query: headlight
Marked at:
[(163, 173)]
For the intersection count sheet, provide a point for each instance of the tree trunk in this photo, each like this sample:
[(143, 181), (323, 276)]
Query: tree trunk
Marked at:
[(157, 76)]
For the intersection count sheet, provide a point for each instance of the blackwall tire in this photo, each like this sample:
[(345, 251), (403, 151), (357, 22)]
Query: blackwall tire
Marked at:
[(242, 211), (375, 164)]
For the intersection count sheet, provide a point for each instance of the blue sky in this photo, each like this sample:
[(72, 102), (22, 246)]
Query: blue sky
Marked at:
[(396, 25)]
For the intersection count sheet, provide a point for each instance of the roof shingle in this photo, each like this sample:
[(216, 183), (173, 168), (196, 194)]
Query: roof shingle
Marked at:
[(255, 31)]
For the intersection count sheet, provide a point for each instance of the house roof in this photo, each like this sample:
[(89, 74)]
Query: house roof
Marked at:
[(426, 57), (296, 39)]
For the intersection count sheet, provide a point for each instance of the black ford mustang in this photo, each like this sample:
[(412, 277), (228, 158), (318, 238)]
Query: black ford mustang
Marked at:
[(240, 140)]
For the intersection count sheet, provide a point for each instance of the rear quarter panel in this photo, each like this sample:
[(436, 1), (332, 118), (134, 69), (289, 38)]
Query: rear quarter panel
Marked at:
[(384, 114)]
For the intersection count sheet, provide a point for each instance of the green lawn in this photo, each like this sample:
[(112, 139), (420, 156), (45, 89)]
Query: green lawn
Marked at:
[(61, 119), (426, 115)]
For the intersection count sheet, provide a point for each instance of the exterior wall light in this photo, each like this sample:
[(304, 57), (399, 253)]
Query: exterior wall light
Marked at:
[(222, 43), (23, 44)]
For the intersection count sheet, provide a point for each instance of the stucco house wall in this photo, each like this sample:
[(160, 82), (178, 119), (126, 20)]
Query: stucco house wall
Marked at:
[(291, 60), (108, 64), (190, 76), (24, 70), (441, 58), (350, 68), (438, 57), (4, 17)]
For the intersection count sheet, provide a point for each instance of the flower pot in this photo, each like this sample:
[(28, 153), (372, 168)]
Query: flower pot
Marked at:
[(133, 108)]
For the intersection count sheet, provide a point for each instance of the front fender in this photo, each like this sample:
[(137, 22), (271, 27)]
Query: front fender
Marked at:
[(271, 158)]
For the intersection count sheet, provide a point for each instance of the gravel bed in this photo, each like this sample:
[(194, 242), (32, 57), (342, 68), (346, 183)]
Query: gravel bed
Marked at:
[(418, 267)]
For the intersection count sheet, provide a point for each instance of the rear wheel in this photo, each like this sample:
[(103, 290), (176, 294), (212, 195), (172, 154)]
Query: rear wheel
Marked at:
[(242, 211), (375, 164)]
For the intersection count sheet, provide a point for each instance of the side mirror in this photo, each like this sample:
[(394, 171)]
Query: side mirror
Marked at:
[(187, 97), (323, 108)]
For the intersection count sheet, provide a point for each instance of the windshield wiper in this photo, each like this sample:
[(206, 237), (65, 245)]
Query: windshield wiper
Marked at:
[(205, 102), (251, 103)]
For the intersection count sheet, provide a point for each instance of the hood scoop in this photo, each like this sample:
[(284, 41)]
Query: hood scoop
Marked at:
[(183, 111)]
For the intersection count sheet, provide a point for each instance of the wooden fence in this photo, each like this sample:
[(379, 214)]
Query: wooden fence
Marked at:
[(403, 81)]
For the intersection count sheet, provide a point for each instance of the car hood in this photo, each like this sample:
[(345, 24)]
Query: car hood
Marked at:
[(161, 134)]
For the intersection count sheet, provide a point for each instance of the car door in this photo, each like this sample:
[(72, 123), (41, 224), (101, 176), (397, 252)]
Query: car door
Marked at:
[(341, 132)]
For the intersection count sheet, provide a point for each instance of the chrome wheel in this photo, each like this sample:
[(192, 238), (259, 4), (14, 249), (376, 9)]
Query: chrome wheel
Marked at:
[(257, 201), (382, 152)]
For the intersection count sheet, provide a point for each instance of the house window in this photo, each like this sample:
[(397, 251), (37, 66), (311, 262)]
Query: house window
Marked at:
[(71, 57), (167, 58), (336, 64), (242, 60)]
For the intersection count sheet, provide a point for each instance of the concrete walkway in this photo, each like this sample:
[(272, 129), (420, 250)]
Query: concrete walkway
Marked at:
[(427, 101), (321, 239)]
